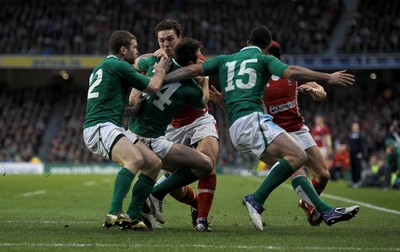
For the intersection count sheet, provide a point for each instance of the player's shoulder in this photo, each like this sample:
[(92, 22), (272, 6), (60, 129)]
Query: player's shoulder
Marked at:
[(115, 64)]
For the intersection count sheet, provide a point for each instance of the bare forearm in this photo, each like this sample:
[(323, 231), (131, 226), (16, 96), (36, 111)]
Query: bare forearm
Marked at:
[(155, 82), (302, 74), (184, 73)]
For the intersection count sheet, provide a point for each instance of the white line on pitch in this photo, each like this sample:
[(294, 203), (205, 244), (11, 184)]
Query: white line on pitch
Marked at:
[(243, 247), (89, 183), (34, 193)]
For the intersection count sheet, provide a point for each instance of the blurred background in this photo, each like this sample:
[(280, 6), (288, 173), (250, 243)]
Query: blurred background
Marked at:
[(48, 50)]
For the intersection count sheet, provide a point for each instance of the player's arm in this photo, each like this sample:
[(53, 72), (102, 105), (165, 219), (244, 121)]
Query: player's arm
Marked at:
[(203, 82), (161, 68), (185, 73), (328, 140), (316, 91), (303, 74), (134, 102), (144, 56)]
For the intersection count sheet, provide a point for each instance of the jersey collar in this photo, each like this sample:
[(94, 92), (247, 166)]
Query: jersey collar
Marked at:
[(112, 56), (251, 47), (176, 63)]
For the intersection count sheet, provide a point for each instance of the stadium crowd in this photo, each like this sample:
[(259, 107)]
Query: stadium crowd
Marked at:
[(81, 27)]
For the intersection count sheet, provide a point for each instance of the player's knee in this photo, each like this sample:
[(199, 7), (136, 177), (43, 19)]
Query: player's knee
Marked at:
[(155, 164), (302, 156), (323, 176), (207, 166), (133, 163)]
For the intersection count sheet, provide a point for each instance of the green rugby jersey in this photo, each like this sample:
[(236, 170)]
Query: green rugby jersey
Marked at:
[(147, 64), (109, 87), (243, 77), (157, 111)]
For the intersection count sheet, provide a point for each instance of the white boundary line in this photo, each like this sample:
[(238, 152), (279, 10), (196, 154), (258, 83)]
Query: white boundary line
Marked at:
[(28, 194), (102, 245)]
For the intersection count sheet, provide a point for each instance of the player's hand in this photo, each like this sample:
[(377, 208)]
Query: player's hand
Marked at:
[(216, 96), (160, 53), (341, 78), (164, 64), (306, 89)]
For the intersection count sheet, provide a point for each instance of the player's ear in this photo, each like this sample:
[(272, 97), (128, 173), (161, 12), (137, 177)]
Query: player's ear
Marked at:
[(123, 50)]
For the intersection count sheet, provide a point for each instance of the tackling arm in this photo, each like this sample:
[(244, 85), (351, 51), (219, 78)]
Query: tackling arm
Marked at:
[(184, 73)]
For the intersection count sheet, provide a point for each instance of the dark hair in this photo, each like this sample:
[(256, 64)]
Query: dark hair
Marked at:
[(260, 36), (119, 39), (186, 51), (275, 49), (168, 24)]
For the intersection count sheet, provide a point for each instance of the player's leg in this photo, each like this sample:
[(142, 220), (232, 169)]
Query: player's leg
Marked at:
[(187, 170), (110, 141), (292, 158), (128, 157), (316, 165), (258, 136), (207, 185), (145, 182)]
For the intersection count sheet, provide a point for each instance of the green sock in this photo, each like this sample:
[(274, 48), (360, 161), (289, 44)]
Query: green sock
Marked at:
[(140, 192), (177, 179), (280, 171), (122, 185), (306, 191)]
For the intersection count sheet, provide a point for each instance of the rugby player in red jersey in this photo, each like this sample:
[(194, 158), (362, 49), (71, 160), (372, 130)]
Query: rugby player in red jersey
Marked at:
[(280, 99)]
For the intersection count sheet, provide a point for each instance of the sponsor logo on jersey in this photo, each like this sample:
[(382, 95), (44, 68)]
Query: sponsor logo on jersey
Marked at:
[(282, 107)]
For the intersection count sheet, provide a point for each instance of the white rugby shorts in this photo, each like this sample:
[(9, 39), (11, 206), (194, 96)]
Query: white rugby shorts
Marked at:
[(100, 138), (303, 138), (190, 134), (253, 133)]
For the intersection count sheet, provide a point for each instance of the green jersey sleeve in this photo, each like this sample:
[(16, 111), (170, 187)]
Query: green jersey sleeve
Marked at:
[(212, 66), (273, 65), (146, 63), (134, 78)]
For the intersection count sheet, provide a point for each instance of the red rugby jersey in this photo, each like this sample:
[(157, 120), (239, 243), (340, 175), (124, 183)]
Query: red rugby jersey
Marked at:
[(280, 99)]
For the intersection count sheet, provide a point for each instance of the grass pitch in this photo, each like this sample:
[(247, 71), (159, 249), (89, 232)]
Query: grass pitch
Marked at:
[(64, 213)]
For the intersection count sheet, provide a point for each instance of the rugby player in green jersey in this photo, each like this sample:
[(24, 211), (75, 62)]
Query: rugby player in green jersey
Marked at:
[(156, 112), (243, 77), (191, 127), (109, 86)]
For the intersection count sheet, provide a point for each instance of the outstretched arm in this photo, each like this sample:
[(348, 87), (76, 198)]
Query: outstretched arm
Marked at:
[(184, 73), (303, 74)]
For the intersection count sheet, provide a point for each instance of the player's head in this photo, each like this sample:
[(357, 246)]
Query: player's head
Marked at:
[(123, 44), (319, 120), (355, 127), (261, 37), (168, 33), (187, 51), (275, 49)]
